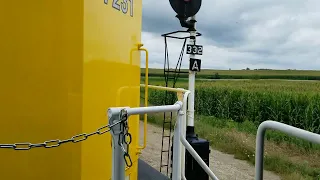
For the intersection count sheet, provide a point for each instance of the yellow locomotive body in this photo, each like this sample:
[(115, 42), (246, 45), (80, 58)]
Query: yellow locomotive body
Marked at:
[(63, 64)]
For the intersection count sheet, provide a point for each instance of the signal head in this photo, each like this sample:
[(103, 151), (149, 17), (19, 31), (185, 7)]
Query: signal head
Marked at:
[(186, 8)]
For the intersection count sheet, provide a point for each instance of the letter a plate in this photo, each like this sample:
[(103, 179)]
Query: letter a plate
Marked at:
[(195, 65)]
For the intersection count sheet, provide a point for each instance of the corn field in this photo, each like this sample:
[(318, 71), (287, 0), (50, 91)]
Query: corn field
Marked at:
[(296, 103)]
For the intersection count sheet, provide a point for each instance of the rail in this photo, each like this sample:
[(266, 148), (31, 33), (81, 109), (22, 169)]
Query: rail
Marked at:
[(178, 171), (293, 131), (118, 157), (139, 48), (180, 143), (179, 137), (183, 95), (118, 127), (119, 152)]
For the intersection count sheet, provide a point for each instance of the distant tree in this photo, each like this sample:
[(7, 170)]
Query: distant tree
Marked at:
[(216, 76)]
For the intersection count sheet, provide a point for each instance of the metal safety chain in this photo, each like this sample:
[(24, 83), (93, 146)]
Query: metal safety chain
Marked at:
[(125, 137), (79, 138)]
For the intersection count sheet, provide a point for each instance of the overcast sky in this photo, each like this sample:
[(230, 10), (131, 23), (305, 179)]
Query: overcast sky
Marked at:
[(237, 34)]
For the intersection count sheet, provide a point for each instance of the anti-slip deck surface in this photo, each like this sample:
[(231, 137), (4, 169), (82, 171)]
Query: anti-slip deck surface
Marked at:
[(147, 172)]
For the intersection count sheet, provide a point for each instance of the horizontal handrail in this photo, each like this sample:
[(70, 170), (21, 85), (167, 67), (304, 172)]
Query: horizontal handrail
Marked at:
[(184, 99), (118, 170), (143, 110), (290, 130), (180, 144), (165, 88)]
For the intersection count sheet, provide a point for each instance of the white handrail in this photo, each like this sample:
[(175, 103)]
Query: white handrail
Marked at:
[(290, 130), (186, 94), (118, 165), (183, 131), (196, 156), (180, 143), (179, 138)]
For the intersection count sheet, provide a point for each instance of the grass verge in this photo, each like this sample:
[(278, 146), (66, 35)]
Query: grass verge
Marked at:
[(289, 161)]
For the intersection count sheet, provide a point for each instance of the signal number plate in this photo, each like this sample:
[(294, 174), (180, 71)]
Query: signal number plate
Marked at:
[(194, 49)]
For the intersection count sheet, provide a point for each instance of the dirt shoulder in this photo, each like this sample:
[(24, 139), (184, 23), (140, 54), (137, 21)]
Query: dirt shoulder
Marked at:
[(225, 166)]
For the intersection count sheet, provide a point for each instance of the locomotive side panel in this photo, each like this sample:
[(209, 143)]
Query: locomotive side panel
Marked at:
[(110, 78), (41, 87)]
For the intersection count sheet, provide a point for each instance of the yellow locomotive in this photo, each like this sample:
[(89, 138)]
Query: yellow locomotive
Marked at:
[(64, 63)]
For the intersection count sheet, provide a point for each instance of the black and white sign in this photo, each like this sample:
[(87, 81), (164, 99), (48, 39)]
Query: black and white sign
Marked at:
[(195, 65), (194, 49)]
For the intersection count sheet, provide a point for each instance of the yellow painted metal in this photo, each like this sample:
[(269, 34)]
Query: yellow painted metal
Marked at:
[(63, 63), (177, 90), (145, 121), (180, 91)]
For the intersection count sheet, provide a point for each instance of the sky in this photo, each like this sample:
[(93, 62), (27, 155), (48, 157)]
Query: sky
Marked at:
[(237, 34)]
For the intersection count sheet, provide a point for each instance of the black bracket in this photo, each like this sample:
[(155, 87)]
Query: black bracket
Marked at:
[(175, 36)]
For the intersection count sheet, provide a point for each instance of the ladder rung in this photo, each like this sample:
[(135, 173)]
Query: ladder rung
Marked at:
[(170, 71), (166, 136), (175, 71), (165, 165), (165, 151)]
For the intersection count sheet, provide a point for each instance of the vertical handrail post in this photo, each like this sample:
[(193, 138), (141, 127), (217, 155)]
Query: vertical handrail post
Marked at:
[(290, 130), (118, 164), (183, 131), (176, 165)]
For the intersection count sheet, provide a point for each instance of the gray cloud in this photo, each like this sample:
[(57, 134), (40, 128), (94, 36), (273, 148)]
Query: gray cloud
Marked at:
[(244, 33)]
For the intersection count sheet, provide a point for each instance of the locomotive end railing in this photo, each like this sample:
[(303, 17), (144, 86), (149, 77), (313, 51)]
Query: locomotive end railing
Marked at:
[(290, 130), (180, 143)]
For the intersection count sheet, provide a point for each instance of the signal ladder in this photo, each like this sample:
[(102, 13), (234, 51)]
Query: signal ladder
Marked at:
[(171, 76)]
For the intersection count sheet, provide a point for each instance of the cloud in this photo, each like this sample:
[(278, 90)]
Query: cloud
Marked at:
[(241, 33)]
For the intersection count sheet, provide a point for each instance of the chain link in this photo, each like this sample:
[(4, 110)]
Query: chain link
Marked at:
[(123, 138), (124, 128), (57, 142)]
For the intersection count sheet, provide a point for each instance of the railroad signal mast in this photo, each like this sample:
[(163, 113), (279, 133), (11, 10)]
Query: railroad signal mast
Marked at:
[(186, 13)]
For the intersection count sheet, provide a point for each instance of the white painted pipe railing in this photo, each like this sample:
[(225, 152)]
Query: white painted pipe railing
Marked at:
[(118, 162), (180, 144), (290, 130)]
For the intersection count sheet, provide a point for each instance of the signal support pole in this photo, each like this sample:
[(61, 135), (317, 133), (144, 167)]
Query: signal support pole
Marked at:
[(187, 9), (192, 79), (201, 146)]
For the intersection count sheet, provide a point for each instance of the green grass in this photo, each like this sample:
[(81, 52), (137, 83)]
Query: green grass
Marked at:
[(238, 139), (246, 74), (293, 103), (229, 112)]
